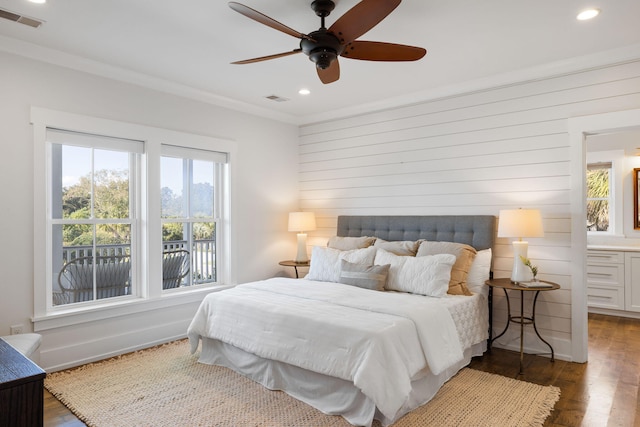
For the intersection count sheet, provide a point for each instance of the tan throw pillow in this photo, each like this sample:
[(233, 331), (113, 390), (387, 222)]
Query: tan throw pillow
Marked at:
[(350, 243), (402, 248), (464, 258)]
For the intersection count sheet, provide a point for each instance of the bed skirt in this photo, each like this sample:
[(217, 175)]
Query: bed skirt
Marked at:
[(333, 396)]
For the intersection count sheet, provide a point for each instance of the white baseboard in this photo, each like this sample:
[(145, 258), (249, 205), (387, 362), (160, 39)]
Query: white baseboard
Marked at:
[(533, 345)]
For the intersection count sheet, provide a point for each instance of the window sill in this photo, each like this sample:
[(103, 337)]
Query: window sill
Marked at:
[(109, 310)]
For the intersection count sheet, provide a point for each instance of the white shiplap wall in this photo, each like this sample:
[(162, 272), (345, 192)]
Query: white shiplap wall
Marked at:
[(475, 153)]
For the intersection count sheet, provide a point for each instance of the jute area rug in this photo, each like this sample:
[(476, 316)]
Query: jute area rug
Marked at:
[(166, 386)]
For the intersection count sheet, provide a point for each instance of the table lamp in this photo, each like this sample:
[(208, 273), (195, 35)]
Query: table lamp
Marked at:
[(301, 222), (520, 223)]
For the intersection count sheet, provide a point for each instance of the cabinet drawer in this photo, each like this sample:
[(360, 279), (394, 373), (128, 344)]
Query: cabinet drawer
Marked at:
[(605, 297), (610, 275), (605, 257)]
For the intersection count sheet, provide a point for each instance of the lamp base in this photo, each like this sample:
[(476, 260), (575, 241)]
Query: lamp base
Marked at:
[(520, 272), (302, 256)]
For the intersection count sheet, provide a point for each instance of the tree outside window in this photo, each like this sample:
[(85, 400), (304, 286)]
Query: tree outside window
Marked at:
[(598, 196)]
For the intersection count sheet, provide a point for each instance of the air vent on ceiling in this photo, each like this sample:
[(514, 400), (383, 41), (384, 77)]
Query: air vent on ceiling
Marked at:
[(31, 22), (277, 98)]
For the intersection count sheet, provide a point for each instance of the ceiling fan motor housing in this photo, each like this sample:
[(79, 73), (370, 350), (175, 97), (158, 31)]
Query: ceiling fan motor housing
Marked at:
[(322, 8), (322, 49)]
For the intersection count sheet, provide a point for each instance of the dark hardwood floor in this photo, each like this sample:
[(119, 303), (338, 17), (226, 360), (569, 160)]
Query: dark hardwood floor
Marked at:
[(603, 392)]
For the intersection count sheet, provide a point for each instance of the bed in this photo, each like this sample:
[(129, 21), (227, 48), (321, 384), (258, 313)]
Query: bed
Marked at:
[(350, 350)]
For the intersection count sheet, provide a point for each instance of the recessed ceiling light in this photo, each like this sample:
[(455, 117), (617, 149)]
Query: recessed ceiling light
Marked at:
[(38, 1), (588, 14), (304, 91)]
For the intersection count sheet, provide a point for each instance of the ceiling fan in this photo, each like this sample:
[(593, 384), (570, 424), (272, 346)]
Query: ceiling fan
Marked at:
[(324, 45)]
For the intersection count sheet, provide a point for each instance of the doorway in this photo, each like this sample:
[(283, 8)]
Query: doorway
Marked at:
[(580, 128)]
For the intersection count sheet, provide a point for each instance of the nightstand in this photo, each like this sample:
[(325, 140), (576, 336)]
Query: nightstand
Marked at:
[(507, 285), (295, 265)]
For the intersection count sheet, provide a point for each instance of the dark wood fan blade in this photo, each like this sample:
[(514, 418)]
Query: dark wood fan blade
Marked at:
[(264, 19), (266, 58), (380, 51), (361, 18), (329, 74)]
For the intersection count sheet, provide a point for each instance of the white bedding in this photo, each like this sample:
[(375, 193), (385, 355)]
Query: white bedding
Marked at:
[(471, 316), (380, 341)]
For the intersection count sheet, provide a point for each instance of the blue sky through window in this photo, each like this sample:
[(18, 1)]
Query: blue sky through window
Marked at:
[(76, 163)]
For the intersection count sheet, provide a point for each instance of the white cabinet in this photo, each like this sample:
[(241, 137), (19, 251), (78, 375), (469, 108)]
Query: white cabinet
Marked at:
[(632, 283), (606, 280)]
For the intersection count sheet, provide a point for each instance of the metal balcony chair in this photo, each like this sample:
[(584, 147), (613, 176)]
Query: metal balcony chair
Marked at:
[(175, 267), (113, 278)]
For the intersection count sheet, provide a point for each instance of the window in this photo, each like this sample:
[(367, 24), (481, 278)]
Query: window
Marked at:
[(189, 215), (599, 191), (93, 220), (127, 217)]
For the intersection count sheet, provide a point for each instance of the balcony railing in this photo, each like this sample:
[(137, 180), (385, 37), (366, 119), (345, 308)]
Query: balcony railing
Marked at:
[(203, 256)]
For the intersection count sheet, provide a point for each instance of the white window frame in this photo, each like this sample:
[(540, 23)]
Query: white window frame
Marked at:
[(136, 148), (616, 199), (150, 241), (191, 154)]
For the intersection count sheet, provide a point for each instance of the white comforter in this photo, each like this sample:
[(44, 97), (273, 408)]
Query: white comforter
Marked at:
[(377, 340)]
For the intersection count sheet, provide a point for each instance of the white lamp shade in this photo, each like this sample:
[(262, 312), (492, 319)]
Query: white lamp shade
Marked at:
[(302, 221), (520, 223)]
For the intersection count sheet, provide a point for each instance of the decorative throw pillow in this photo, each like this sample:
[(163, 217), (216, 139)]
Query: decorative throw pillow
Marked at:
[(403, 247), (479, 272), (350, 243), (427, 275), (364, 276), (325, 262), (464, 257)]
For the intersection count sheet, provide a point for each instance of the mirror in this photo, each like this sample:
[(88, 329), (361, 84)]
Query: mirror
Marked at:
[(636, 208)]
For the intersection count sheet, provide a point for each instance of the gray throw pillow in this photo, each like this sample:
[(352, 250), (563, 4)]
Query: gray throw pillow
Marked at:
[(372, 277)]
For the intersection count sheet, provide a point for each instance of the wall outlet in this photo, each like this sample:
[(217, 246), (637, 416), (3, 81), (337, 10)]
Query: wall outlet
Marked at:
[(17, 329)]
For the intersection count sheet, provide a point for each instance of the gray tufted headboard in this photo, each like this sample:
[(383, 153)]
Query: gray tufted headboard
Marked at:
[(474, 230)]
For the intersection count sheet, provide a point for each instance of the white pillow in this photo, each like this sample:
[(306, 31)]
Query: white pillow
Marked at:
[(428, 275), (464, 258), (479, 272), (325, 262)]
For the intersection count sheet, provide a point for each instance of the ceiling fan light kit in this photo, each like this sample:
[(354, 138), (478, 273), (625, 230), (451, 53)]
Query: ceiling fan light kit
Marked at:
[(323, 49), (324, 46)]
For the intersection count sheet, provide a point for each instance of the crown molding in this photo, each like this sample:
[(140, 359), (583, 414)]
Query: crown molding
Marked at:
[(602, 59)]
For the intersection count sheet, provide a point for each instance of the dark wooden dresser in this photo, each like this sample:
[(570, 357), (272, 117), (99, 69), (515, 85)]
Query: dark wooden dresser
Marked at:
[(21, 389)]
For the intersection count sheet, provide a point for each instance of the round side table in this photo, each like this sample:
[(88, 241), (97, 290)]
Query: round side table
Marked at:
[(507, 285), (295, 265)]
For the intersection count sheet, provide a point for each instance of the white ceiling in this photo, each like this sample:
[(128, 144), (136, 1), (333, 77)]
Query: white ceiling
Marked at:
[(186, 47)]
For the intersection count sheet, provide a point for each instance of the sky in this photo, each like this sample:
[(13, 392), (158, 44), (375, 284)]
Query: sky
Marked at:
[(76, 162)]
